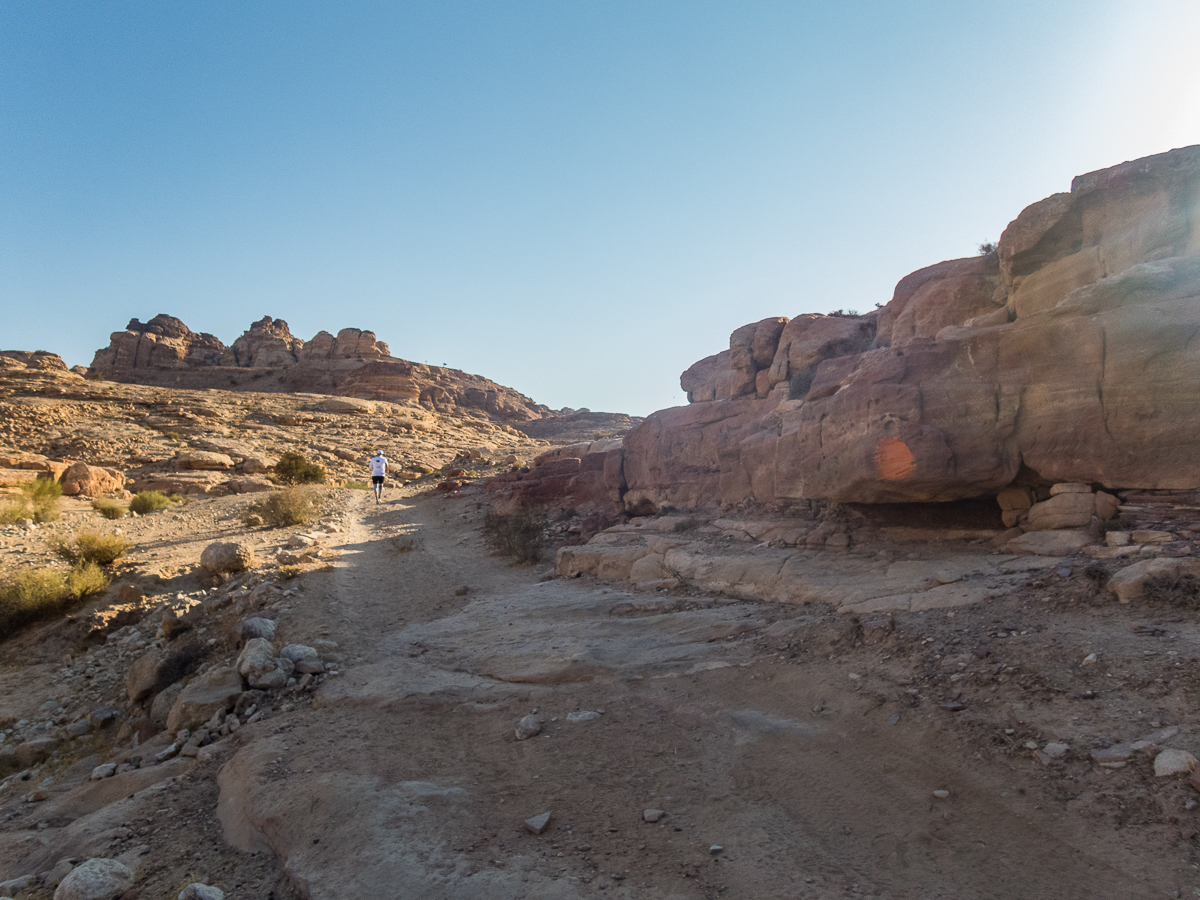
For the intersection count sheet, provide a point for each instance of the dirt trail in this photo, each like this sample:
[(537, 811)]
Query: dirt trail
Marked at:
[(405, 778)]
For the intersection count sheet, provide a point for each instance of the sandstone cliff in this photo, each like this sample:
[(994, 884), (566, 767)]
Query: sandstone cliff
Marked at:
[(267, 357), (1067, 355)]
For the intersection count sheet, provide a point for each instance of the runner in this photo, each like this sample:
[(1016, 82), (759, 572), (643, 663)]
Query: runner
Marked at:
[(379, 468)]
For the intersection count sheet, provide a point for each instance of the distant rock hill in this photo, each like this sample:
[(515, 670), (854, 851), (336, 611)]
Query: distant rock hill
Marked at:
[(269, 358)]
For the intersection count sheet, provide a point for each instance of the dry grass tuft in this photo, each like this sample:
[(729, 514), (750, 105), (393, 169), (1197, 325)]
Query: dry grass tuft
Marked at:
[(110, 509), (522, 535), (146, 502), (92, 547), (291, 506)]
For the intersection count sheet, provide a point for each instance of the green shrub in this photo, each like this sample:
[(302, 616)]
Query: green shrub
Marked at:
[(42, 496), (145, 502), (85, 580), (987, 248), (11, 512), (91, 547), (172, 436), (110, 509), (522, 535), (296, 468), (34, 594), (291, 506)]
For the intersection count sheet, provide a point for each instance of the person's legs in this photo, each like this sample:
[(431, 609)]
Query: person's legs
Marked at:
[(377, 486)]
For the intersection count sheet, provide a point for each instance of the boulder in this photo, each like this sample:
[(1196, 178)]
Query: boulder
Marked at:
[(205, 460), (260, 667), (142, 675), (1067, 510), (215, 690), (163, 703), (256, 627), (96, 879), (1049, 543), (1129, 583), (226, 557), (91, 481)]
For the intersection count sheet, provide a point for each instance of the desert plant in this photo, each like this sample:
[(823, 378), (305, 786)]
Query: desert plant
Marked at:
[(42, 496), (110, 509), (1171, 590), (296, 468), (291, 506), (357, 485), (11, 512), (145, 502), (86, 579), (689, 524), (172, 436), (987, 248), (91, 547), (522, 535)]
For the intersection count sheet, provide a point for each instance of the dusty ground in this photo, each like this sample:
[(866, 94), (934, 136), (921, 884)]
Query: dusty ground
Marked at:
[(805, 745)]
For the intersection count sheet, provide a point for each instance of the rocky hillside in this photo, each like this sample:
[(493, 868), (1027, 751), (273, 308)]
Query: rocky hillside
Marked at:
[(268, 358)]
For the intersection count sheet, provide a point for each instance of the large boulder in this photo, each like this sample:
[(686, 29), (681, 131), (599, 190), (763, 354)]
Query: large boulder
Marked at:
[(215, 690), (227, 557), (91, 481), (204, 460), (96, 879), (143, 675)]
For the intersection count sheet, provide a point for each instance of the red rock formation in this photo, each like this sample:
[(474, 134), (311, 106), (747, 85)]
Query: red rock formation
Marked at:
[(1068, 355), (267, 357)]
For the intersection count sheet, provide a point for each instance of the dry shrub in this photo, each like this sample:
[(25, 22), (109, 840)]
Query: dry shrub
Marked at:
[(145, 502), (110, 509), (689, 524), (34, 594), (92, 547), (296, 468), (522, 535), (38, 501), (1170, 590), (291, 506)]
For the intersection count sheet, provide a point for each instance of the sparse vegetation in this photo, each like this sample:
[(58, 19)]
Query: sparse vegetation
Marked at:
[(31, 595), (291, 506), (987, 248), (38, 502), (357, 485), (146, 502), (522, 535), (691, 523), (406, 543), (1181, 591), (91, 547), (296, 468), (110, 509)]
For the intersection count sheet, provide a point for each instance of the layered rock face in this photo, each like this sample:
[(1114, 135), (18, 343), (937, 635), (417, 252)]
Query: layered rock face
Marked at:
[(268, 357), (1070, 354)]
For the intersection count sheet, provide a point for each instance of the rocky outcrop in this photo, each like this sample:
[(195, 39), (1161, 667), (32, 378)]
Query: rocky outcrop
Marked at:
[(1068, 355), (269, 358)]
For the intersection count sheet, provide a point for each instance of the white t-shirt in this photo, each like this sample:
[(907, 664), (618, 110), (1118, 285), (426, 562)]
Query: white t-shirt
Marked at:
[(379, 465)]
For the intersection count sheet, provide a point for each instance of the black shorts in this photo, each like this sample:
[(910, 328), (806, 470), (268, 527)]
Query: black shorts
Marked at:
[(376, 479)]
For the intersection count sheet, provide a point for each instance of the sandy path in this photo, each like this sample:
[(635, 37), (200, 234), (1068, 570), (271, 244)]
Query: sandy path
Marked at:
[(405, 779)]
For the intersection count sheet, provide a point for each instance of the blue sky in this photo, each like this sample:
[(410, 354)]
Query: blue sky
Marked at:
[(576, 199)]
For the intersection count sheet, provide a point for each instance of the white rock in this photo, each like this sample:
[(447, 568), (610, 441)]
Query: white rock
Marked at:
[(104, 770), (652, 815), (585, 715), (198, 891), (528, 727), (941, 795), (1088, 660), (96, 879), (1174, 762)]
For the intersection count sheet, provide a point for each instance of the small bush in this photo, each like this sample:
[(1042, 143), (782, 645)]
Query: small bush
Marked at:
[(34, 594), (11, 512), (1181, 591), (110, 509), (688, 524), (522, 535), (987, 248), (91, 547), (295, 468), (292, 506), (799, 385), (42, 496), (407, 543), (145, 502), (85, 580)]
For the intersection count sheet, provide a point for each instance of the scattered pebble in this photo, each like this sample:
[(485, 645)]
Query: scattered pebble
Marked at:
[(941, 795), (652, 815), (538, 823)]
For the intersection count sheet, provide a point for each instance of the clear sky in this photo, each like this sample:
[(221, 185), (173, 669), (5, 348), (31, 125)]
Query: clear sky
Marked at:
[(577, 199)]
